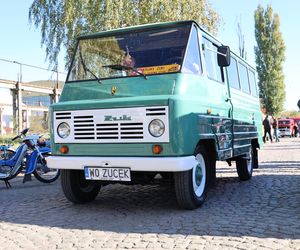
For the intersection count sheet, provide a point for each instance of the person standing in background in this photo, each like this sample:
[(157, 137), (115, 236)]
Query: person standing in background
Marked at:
[(275, 128), (267, 128)]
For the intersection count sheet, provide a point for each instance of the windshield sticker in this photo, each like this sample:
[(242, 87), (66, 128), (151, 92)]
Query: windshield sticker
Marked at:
[(160, 69)]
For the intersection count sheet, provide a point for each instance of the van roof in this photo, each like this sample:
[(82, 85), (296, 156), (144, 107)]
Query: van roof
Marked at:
[(135, 28)]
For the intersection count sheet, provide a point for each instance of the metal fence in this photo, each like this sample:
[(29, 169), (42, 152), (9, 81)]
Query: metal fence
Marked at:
[(26, 91)]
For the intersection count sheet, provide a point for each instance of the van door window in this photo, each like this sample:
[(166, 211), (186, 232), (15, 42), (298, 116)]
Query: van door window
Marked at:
[(213, 70), (192, 64), (232, 72), (244, 78), (252, 80)]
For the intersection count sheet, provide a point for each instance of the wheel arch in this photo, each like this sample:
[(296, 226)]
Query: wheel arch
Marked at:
[(210, 147)]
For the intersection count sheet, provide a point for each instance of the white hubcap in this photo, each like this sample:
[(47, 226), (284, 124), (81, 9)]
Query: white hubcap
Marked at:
[(249, 162), (199, 175)]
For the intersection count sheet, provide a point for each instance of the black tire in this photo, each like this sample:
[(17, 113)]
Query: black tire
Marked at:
[(76, 188), (8, 154), (191, 186), (255, 157), (44, 174), (244, 165), (13, 176)]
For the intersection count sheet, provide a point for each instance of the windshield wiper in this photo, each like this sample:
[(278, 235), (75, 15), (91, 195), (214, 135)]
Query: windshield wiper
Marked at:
[(86, 69), (123, 67)]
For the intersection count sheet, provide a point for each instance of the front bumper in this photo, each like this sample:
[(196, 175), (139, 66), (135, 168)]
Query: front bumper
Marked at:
[(153, 164)]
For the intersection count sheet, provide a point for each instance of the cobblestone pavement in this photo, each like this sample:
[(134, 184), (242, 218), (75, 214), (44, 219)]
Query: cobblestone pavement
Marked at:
[(263, 213)]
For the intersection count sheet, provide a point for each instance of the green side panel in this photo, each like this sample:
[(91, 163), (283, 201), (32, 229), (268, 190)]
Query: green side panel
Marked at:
[(198, 112), (247, 117)]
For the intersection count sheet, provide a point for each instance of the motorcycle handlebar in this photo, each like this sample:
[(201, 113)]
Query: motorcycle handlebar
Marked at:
[(23, 132), (16, 137)]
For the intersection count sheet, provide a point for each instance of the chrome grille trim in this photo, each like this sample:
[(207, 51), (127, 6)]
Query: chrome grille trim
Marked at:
[(63, 115), (155, 111)]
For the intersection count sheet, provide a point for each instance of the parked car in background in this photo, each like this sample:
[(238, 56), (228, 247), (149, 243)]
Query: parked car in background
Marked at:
[(286, 127)]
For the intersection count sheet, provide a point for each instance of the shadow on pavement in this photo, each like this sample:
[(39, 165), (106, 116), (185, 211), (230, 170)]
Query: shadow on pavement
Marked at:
[(267, 206)]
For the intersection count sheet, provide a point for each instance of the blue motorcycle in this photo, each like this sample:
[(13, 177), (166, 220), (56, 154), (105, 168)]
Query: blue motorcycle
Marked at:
[(29, 158)]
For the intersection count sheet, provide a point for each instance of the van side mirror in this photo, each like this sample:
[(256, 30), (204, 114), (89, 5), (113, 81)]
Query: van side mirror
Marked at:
[(223, 56), (298, 104)]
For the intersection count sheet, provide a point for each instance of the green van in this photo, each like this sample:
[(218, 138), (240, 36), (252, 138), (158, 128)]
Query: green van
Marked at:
[(150, 103)]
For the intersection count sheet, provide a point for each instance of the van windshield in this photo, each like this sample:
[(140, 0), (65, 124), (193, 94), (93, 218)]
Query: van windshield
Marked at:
[(154, 51)]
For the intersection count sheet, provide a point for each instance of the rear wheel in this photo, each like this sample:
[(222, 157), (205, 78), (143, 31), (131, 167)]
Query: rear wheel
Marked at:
[(76, 188), (255, 157), (244, 165), (6, 154), (191, 186)]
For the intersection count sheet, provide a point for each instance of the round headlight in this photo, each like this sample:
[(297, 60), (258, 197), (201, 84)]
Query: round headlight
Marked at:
[(63, 130), (156, 128)]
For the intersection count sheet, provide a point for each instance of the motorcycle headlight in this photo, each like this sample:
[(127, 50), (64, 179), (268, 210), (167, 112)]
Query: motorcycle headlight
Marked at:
[(156, 128), (63, 130)]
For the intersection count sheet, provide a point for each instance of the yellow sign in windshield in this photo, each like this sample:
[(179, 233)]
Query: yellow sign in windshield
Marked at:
[(160, 69)]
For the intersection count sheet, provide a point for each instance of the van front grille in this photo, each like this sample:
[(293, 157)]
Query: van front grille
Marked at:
[(112, 125)]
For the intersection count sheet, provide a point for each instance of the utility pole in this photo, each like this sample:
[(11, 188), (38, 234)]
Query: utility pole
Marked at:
[(1, 121), (19, 119)]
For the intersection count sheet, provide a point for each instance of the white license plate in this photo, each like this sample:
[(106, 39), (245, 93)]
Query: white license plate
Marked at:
[(107, 174)]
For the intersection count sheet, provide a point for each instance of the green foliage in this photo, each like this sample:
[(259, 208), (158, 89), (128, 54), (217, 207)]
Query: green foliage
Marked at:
[(289, 113), (6, 140), (269, 59), (61, 21), (38, 125)]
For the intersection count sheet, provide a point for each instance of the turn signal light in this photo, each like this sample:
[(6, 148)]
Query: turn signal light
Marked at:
[(157, 149), (64, 149)]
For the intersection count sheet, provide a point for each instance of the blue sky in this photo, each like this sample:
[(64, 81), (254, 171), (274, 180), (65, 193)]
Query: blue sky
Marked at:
[(289, 12), (21, 42)]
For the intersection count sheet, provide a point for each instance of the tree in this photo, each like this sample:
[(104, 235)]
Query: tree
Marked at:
[(269, 55), (289, 113), (241, 38), (61, 21)]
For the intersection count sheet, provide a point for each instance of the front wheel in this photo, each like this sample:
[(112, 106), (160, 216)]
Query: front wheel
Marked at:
[(191, 186), (76, 188), (43, 173)]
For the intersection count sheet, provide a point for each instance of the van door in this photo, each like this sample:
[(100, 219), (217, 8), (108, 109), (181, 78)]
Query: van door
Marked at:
[(218, 98), (245, 116)]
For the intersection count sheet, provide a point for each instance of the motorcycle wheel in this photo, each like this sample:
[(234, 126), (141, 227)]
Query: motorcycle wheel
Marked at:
[(13, 176), (8, 154), (45, 174)]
